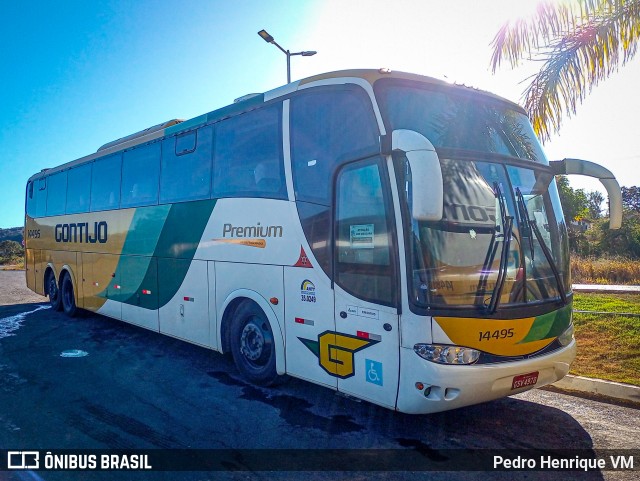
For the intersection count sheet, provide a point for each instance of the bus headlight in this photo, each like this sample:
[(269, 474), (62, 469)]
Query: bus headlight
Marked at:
[(565, 338), (447, 354)]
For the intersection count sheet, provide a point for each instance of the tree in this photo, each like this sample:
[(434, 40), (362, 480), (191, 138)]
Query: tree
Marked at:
[(594, 204), (622, 242), (575, 207), (575, 203), (631, 198), (10, 249), (579, 43)]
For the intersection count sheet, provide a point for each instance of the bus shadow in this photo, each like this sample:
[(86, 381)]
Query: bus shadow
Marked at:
[(507, 423), (314, 417)]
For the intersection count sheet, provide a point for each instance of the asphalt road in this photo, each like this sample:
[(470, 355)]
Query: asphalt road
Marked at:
[(136, 389)]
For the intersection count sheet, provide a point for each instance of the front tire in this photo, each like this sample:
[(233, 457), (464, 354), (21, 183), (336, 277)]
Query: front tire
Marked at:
[(68, 297), (55, 299), (253, 346)]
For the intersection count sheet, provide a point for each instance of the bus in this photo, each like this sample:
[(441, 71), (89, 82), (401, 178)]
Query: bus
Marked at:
[(390, 236)]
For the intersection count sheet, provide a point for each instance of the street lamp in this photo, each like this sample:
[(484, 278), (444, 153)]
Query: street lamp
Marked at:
[(269, 39)]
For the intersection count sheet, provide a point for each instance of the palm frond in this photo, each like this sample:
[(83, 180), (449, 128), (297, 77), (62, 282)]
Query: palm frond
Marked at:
[(580, 45)]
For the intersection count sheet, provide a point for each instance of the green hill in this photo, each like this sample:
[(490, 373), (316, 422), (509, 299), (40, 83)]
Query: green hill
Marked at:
[(13, 233)]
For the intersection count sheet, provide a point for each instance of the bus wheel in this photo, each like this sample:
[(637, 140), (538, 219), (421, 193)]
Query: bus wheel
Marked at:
[(54, 292), (252, 345), (68, 299)]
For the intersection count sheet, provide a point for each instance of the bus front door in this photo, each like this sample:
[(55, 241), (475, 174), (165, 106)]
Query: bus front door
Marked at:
[(366, 341), (366, 349)]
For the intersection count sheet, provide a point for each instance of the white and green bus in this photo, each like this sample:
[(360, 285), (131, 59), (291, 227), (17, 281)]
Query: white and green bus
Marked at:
[(389, 236)]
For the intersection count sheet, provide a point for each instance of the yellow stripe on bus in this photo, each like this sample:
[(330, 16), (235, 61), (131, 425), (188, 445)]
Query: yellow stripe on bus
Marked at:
[(495, 336)]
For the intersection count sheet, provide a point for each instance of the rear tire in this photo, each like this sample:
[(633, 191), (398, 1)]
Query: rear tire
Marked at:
[(68, 297), (252, 345), (54, 293)]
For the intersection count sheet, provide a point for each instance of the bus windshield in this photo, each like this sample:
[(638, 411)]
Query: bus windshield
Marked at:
[(502, 241), (458, 120)]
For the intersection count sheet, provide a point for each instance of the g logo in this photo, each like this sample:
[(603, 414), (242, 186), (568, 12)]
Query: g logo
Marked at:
[(335, 352)]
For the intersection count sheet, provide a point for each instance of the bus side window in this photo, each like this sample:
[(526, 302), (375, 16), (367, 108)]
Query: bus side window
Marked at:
[(41, 198), (186, 166), (364, 261), (248, 159), (79, 189), (105, 183), (328, 126), (32, 199), (140, 175), (57, 193), (316, 224)]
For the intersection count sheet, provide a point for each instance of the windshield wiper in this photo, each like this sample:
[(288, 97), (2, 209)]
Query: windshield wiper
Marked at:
[(507, 223), (525, 231), (530, 226), (526, 220), (552, 264)]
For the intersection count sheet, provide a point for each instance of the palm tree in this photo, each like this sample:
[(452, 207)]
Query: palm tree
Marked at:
[(579, 42)]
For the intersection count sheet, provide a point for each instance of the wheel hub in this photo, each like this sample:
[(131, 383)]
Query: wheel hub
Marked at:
[(252, 342)]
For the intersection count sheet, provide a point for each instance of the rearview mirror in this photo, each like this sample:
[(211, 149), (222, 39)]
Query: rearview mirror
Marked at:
[(426, 174), (608, 180)]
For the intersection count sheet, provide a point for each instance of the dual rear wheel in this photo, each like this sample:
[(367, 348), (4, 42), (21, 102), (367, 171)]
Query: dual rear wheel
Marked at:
[(62, 297)]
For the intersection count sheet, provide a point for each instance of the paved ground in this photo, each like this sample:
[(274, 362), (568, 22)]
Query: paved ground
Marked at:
[(137, 389), (13, 289)]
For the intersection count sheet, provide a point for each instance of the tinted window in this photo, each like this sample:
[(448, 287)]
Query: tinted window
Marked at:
[(364, 264), (454, 118), (41, 197), (105, 183), (32, 199), (328, 127), (316, 223), (140, 175), (56, 193), (79, 189), (186, 166), (248, 156)]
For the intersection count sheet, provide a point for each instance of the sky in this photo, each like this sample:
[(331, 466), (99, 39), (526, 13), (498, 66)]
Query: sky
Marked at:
[(77, 74)]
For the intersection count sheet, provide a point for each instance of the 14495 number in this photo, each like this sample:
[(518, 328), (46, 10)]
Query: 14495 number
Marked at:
[(497, 334)]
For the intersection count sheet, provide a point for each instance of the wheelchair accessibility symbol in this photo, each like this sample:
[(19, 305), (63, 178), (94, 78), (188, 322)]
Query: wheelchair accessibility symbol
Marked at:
[(373, 372)]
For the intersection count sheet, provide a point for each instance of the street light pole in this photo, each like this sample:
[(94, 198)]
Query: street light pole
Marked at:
[(269, 39)]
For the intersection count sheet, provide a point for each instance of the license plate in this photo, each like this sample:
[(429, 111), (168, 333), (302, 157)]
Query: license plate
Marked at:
[(524, 380)]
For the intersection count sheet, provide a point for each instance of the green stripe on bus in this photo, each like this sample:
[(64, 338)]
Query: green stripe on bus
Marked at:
[(179, 238), (549, 325)]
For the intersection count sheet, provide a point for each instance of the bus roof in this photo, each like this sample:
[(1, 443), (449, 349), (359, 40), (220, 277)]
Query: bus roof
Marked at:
[(252, 101)]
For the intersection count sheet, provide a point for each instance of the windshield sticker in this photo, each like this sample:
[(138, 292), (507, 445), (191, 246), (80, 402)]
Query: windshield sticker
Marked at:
[(361, 236)]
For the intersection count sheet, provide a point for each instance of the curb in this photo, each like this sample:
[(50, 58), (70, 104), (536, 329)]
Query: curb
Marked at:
[(610, 389), (605, 289)]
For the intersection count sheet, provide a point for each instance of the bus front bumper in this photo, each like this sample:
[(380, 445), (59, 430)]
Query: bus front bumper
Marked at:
[(445, 387)]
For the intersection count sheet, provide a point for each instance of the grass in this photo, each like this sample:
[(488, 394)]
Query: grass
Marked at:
[(608, 344), (587, 270), (11, 264)]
